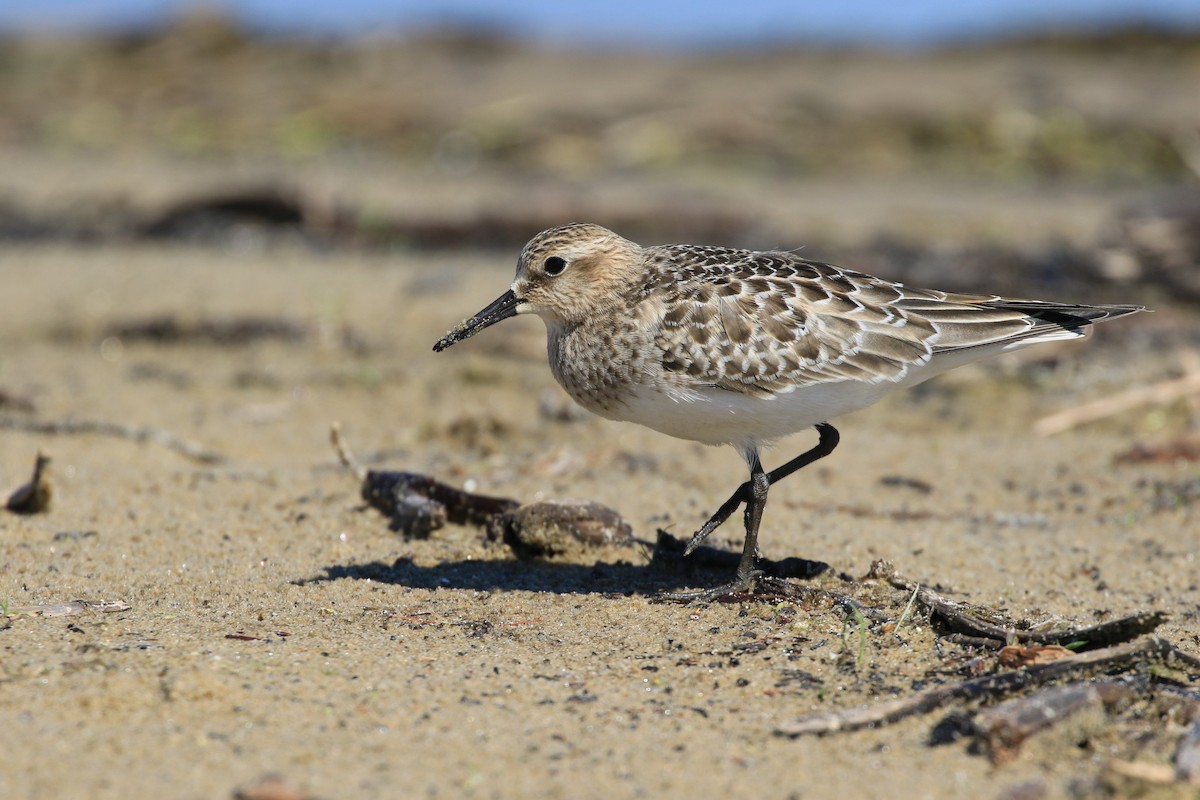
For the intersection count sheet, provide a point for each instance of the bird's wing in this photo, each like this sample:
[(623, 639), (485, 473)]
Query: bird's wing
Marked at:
[(765, 322)]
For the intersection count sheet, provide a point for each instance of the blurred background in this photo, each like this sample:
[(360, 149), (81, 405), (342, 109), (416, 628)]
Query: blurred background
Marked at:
[(223, 226), (1022, 146)]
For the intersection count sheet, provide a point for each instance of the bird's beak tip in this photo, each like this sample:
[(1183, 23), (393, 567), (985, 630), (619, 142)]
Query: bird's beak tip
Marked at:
[(501, 308)]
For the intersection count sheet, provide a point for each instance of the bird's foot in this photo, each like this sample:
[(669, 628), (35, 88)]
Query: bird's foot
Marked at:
[(723, 513), (741, 585)]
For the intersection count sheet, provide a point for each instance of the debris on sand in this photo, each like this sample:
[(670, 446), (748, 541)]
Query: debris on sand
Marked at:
[(35, 496), (417, 504), (541, 529), (270, 787)]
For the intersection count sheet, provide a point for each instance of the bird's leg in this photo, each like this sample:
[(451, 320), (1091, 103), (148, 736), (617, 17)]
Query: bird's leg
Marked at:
[(760, 484), (754, 494), (824, 446), (743, 494)]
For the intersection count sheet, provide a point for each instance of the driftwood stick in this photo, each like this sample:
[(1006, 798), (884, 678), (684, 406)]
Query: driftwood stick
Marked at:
[(136, 433), (959, 618), (1158, 394), (1003, 728)]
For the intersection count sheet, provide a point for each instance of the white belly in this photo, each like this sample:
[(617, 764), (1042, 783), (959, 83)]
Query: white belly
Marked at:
[(716, 416)]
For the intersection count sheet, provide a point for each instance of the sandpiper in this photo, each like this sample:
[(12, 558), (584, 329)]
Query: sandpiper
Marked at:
[(739, 347)]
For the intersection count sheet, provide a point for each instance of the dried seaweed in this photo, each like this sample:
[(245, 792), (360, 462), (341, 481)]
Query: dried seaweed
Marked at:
[(417, 504)]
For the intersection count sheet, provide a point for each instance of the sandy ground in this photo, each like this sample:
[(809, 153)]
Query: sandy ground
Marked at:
[(269, 623), (274, 625)]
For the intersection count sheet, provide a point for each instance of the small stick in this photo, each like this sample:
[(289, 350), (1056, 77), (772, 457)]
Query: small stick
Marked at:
[(67, 609), (136, 433), (1003, 728), (1155, 774), (1158, 394), (343, 451), (416, 503), (957, 617)]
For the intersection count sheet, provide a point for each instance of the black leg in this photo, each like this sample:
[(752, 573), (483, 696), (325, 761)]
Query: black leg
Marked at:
[(754, 494), (760, 484), (744, 493), (829, 440)]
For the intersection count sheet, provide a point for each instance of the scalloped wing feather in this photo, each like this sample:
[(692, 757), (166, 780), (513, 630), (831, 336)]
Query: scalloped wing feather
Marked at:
[(763, 323)]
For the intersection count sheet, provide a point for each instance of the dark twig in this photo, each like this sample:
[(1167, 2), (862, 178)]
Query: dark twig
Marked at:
[(960, 619)]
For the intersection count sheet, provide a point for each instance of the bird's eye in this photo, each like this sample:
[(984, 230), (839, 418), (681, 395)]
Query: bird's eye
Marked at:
[(554, 265)]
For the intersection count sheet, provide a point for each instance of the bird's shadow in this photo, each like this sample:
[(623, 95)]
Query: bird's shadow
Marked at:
[(619, 577), (667, 570)]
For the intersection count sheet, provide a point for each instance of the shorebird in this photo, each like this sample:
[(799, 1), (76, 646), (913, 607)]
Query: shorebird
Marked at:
[(739, 347)]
